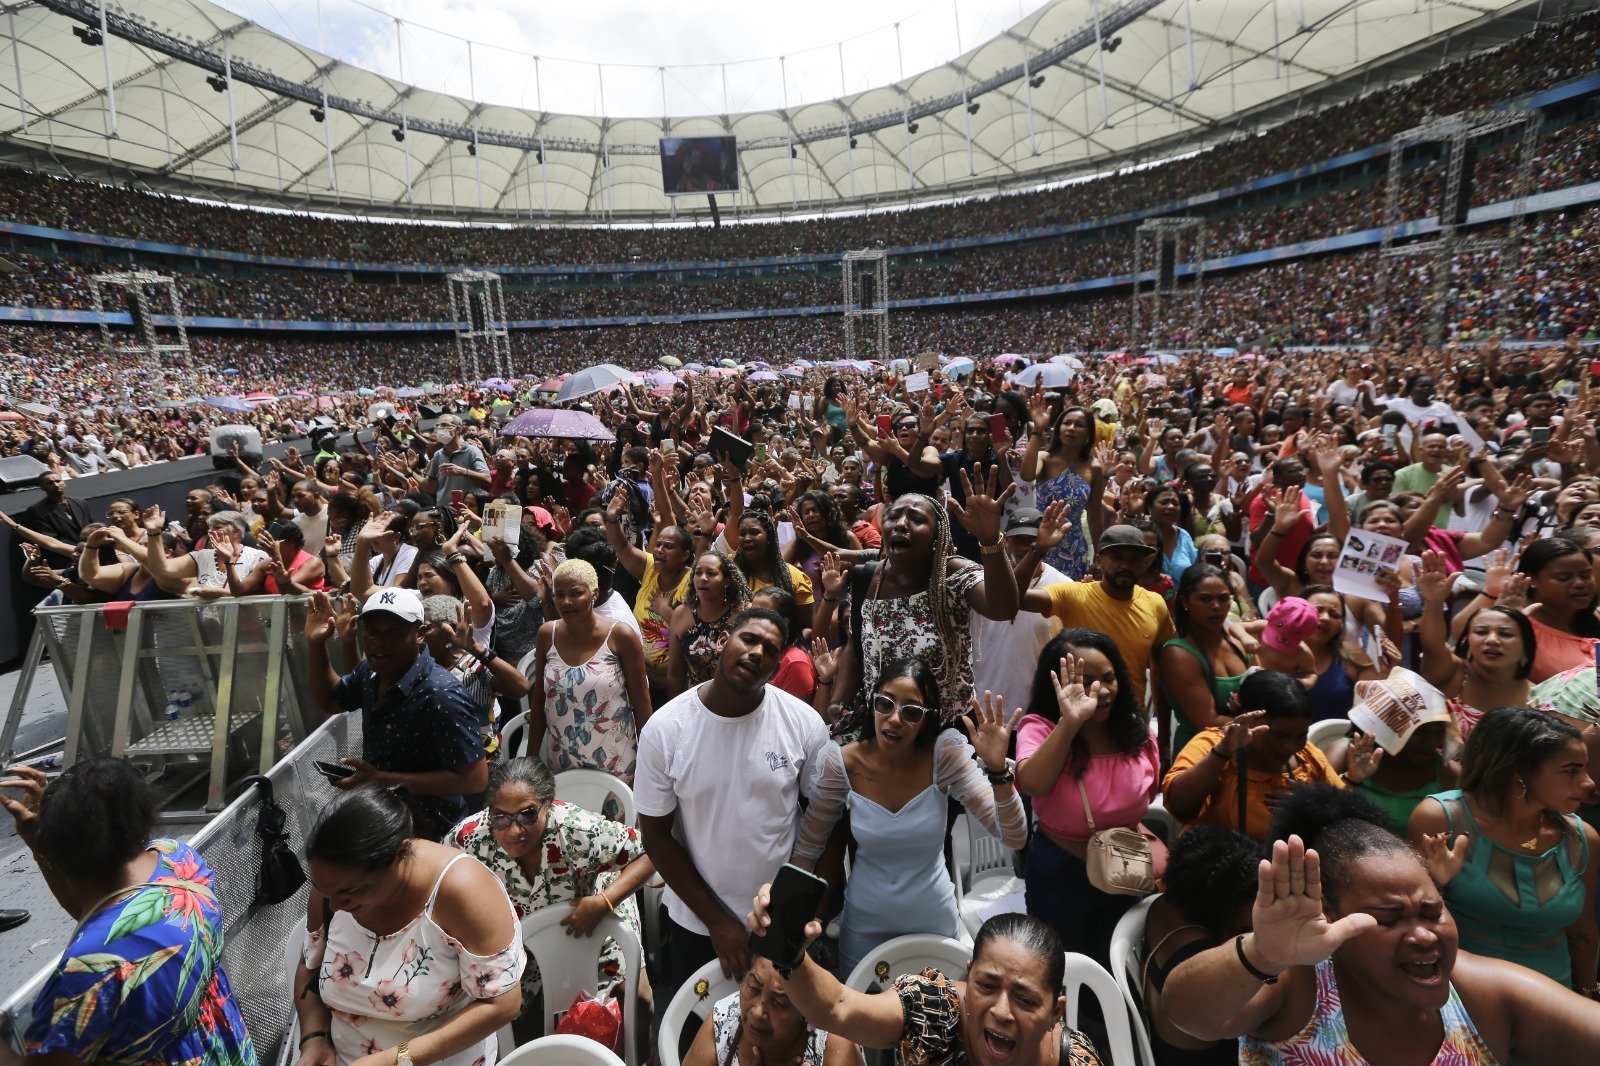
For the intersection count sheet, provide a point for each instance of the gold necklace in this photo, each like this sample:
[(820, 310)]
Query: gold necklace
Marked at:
[(1533, 844)]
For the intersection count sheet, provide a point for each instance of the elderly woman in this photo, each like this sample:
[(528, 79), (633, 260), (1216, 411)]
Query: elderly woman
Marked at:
[(1010, 1009), (291, 570), (759, 1026), (412, 950), (548, 853), (227, 567), (141, 980)]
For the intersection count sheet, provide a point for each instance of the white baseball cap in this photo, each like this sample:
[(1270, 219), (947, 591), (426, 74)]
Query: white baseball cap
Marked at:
[(402, 603)]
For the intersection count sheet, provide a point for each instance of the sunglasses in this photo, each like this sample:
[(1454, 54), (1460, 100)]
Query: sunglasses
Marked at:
[(526, 818), (883, 706)]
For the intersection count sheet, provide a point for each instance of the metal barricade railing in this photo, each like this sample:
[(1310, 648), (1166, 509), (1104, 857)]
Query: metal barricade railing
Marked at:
[(239, 663), (255, 937)]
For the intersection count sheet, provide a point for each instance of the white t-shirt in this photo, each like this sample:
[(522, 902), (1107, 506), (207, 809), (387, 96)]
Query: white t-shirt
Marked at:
[(313, 527), (1438, 411), (1006, 654), (207, 574), (735, 784), (1341, 391), (616, 608)]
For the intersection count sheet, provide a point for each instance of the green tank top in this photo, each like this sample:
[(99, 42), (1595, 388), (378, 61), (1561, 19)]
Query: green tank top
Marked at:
[(1399, 805), (1222, 690)]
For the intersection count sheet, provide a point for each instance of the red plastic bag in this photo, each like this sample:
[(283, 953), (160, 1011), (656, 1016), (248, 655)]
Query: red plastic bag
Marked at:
[(598, 1019)]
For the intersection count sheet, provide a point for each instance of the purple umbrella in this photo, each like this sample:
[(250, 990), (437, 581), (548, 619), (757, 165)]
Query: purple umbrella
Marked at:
[(544, 422), (764, 375)]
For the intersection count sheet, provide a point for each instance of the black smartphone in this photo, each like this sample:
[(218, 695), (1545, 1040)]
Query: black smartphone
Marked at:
[(333, 771), (1540, 434), (796, 896)]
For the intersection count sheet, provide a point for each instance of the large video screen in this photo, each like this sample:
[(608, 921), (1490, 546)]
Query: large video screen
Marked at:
[(699, 165)]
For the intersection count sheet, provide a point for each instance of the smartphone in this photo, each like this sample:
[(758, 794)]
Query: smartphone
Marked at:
[(796, 897), (669, 445), (999, 435), (333, 771), (1540, 434), (885, 427), (761, 452), (457, 497)]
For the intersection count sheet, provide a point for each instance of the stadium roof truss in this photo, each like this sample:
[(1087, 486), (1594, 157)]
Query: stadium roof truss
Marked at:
[(202, 97)]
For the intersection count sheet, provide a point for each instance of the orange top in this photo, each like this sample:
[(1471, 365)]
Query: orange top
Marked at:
[(1222, 806)]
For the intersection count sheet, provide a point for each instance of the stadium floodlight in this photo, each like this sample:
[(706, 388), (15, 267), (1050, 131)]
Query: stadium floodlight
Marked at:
[(911, 127), (972, 108), (88, 35), (398, 134), (852, 142), (472, 149), (318, 115), (1113, 44), (218, 84), (1036, 81)]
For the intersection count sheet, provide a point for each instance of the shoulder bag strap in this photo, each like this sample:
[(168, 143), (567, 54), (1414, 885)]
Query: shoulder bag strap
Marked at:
[(1088, 812), (1244, 788)]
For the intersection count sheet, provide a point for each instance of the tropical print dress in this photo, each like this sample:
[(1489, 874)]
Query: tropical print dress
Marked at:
[(588, 715), (932, 1032), (583, 853), (142, 981), (1071, 556)]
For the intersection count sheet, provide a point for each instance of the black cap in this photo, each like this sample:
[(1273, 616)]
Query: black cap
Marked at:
[(1024, 521), (1122, 537)]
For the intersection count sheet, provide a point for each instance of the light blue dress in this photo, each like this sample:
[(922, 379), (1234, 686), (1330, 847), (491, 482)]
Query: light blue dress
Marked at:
[(899, 883)]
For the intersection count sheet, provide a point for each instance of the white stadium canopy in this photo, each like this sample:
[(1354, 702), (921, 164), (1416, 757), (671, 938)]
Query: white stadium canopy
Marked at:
[(207, 101)]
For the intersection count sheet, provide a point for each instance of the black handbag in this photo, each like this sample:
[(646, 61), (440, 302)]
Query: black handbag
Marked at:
[(281, 874)]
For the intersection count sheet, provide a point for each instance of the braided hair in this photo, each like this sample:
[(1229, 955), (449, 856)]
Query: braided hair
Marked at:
[(834, 531), (938, 588), (774, 559), (737, 593)]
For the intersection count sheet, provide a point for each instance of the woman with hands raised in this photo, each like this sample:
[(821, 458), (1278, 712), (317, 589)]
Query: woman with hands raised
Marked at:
[(1490, 663), (1082, 747), (1354, 958), (894, 782)]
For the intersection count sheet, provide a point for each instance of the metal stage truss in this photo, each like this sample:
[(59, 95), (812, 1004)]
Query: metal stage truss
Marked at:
[(1459, 134), (139, 293), (478, 308), (866, 296), (1164, 305)]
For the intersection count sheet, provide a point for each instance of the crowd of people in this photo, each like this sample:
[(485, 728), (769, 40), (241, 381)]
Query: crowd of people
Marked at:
[(807, 616)]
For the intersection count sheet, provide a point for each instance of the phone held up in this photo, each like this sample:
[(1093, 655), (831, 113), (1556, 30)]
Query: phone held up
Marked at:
[(333, 771), (795, 898)]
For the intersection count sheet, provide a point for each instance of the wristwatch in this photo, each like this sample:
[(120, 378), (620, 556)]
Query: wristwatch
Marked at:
[(1003, 776), (402, 1054)]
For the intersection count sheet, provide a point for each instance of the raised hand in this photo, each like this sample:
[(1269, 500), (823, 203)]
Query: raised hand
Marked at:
[(1244, 728), (824, 660), (1285, 508), (319, 618), (24, 809), (1076, 703), (1443, 858), (1434, 580), (1514, 592), (1363, 758), (834, 574), (1053, 528), (983, 510), (153, 519), (989, 729), (1502, 564), (1039, 409), (1516, 493), (374, 528), (1287, 921)]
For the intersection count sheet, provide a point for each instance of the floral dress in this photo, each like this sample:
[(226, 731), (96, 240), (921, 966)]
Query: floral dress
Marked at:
[(583, 853), (932, 1032), (588, 715), (725, 1024), (384, 990), (1071, 556), (897, 628), (702, 646), (142, 980)]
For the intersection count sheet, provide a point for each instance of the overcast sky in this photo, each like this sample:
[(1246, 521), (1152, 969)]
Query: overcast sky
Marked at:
[(719, 54)]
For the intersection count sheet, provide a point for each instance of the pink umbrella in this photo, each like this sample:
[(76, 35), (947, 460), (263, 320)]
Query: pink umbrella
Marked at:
[(327, 402), (1010, 357), (262, 397)]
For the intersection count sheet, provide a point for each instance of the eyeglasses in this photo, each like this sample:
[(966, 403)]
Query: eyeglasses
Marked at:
[(883, 706), (526, 818)]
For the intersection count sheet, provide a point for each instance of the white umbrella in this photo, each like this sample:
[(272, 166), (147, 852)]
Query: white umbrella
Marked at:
[(1068, 360), (1048, 375), (594, 379)]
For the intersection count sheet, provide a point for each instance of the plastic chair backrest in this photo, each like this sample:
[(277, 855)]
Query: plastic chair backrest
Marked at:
[(514, 738), (1324, 733), (988, 854), (1162, 822), (590, 789), (293, 949), (1127, 964), (561, 1051), (569, 965), (704, 989), (1084, 973), (909, 955)]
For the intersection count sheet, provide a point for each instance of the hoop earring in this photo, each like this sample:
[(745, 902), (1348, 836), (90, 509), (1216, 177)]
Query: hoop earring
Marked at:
[(1524, 785), (438, 540)]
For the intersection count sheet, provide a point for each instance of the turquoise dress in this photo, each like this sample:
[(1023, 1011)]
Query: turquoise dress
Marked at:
[(1512, 905)]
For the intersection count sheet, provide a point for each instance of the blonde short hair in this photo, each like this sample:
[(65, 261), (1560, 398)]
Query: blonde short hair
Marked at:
[(579, 571)]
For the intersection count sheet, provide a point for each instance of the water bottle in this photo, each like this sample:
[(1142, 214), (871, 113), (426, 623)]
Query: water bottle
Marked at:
[(172, 705), (185, 704), (49, 763)]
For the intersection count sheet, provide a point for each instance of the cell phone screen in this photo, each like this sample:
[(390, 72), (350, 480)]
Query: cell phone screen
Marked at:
[(999, 434), (333, 771), (796, 897)]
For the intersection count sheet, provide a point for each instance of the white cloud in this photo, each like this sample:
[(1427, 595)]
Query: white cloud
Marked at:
[(719, 55)]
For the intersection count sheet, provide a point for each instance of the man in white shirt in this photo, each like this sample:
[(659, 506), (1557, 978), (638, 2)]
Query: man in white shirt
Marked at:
[(720, 773), (1005, 654), (1418, 406)]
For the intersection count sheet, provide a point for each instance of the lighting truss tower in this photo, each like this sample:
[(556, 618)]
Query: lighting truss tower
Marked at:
[(478, 308), (1162, 304), (140, 294), (866, 300), (1458, 134)]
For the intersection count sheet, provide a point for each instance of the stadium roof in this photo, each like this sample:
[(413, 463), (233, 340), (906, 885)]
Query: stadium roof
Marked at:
[(205, 98)]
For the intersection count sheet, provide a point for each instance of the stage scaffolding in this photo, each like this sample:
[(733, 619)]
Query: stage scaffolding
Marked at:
[(478, 308), (1458, 134), (1156, 310), (866, 296), (139, 293)]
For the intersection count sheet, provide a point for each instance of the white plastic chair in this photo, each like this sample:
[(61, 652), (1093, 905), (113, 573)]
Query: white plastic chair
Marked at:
[(1162, 822), (1324, 733), (910, 955), (985, 874), (1084, 973), (704, 989), (514, 737), (590, 789), (293, 949), (1127, 963), (569, 965), (561, 1051)]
